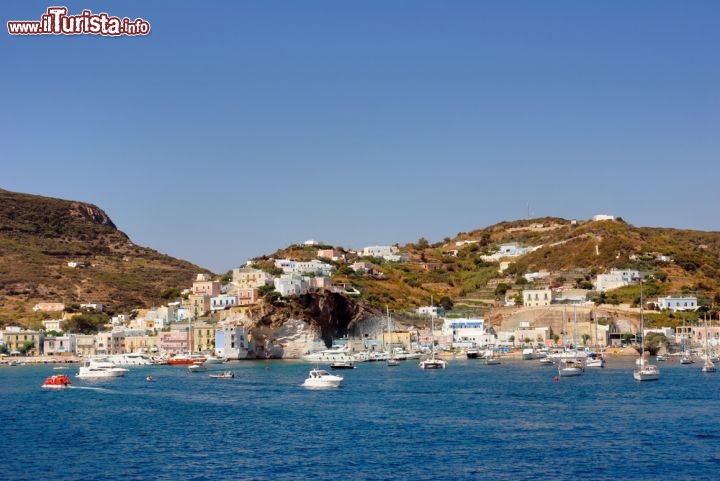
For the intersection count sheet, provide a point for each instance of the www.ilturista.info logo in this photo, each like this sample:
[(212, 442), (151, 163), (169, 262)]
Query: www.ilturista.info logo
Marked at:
[(57, 22)]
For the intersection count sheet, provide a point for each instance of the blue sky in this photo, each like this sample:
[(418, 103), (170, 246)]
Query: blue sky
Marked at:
[(236, 128)]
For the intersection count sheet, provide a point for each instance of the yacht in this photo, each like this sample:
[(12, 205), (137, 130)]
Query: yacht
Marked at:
[(594, 359), (97, 369), (569, 368), (320, 378), (644, 370), (214, 360), (335, 353), (129, 359)]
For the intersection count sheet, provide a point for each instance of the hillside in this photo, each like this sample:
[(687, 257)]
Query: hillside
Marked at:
[(572, 253), (40, 235)]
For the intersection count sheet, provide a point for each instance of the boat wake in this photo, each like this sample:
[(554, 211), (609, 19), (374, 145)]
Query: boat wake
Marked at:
[(101, 389)]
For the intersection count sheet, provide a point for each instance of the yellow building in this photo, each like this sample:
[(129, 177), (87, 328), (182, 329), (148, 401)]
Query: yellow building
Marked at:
[(204, 337), (142, 343), (85, 344), (398, 339), (17, 341)]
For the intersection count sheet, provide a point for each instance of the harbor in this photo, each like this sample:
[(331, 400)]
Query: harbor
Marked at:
[(506, 422)]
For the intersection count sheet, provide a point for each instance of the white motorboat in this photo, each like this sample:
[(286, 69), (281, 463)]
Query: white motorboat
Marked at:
[(594, 360), (342, 365), (335, 353), (129, 359), (320, 378), (197, 367), (93, 369), (223, 375), (214, 360)]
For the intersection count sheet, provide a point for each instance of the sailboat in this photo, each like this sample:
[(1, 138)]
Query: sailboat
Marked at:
[(391, 360), (432, 362), (188, 359), (708, 366), (644, 371), (595, 359), (569, 367)]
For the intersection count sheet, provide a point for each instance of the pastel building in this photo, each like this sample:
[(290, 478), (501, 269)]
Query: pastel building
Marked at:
[(206, 288), (204, 337), (59, 345), (389, 253), (304, 267), (15, 339), (248, 277), (465, 332), (537, 297)]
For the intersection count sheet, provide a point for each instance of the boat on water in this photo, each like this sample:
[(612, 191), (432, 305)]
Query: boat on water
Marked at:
[(186, 359), (57, 381), (214, 360), (530, 353), (644, 371), (320, 378), (335, 353), (129, 359), (661, 358), (197, 367), (96, 369), (569, 367), (391, 360), (708, 365), (150, 378), (472, 353), (686, 359), (222, 375), (594, 359), (432, 362), (342, 365)]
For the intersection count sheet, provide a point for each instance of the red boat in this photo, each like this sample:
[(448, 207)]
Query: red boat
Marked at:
[(184, 360), (58, 381)]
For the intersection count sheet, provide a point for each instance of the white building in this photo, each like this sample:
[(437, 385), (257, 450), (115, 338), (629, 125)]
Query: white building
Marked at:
[(52, 325), (678, 303), (466, 332), (537, 297), (506, 250), (224, 301), (430, 310), (615, 278), (302, 267), (601, 217), (232, 343), (291, 285), (389, 253)]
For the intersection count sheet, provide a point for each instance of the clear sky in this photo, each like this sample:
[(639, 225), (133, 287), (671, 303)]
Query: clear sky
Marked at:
[(237, 128)]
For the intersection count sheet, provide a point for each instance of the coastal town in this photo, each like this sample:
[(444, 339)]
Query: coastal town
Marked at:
[(212, 317)]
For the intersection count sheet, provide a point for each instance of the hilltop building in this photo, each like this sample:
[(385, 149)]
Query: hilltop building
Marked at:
[(688, 303)]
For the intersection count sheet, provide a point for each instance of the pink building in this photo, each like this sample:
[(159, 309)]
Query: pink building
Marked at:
[(174, 342), (49, 307), (331, 254), (206, 288), (247, 296)]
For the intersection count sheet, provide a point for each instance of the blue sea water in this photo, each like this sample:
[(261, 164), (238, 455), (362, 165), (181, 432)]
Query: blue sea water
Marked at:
[(506, 422)]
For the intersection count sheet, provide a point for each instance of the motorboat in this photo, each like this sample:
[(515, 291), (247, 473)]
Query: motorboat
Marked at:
[(150, 378), (686, 359), (186, 359), (392, 362), (472, 353), (96, 369), (57, 381), (342, 365), (335, 353), (492, 361), (222, 375), (661, 358), (320, 378), (214, 360), (197, 367), (129, 359), (530, 353)]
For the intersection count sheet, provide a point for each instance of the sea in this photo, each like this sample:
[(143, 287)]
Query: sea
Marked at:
[(471, 421)]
